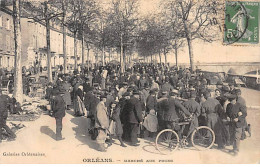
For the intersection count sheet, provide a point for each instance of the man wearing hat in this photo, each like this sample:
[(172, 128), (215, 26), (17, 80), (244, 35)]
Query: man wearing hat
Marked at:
[(133, 116), (167, 86), (237, 114), (170, 115), (242, 101), (151, 102), (4, 102), (58, 108), (102, 123), (162, 104), (211, 109), (232, 89), (194, 108), (122, 90)]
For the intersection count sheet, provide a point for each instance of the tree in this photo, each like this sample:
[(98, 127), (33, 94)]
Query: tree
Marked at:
[(122, 24), (195, 16), (18, 84), (41, 11)]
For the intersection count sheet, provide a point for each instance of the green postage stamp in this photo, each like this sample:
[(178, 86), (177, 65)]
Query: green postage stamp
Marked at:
[(241, 22)]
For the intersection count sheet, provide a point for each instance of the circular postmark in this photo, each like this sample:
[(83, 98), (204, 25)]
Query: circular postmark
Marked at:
[(236, 22)]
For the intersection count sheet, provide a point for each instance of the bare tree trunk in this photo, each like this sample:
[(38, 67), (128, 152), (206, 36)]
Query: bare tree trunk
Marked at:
[(18, 82), (165, 57), (103, 55), (48, 41), (191, 54), (160, 57), (188, 37), (64, 39), (176, 52), (82, 53), (75, 50), (122, 54), (88, 61)]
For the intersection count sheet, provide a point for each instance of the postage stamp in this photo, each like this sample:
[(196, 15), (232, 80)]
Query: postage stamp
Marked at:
[(241, 22)]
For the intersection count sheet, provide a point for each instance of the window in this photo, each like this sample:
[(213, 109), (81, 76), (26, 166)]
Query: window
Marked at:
[(8, 27), (8, 61), (1, 21), (8, 43)]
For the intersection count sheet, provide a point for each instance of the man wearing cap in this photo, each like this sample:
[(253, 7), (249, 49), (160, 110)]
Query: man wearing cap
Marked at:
[(237, 114), (167, 86), (232, 89), (4, 102), (211, 109), (133, 118), (242, 101), (122, 90), (171, 116), (151, 102), (194, 108), (90, 102), (58, 108), (145, 92), (163, 106), (154, 85), (143, 81), (102, 123)]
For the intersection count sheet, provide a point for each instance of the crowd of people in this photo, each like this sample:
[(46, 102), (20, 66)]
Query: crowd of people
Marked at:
[(146, 99)]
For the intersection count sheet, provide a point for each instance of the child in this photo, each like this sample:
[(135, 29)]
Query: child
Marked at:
[(151, 123)]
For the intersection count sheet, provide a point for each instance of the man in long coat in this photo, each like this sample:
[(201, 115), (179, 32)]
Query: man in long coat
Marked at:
[(102, 123), (58, 108), (133, 118), (4, 102), (151, 102), (237, 114), (171, 117), (211, 109), (194, 108)]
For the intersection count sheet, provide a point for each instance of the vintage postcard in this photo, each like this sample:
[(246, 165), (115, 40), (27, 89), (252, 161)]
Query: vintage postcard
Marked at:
[(129, 82)]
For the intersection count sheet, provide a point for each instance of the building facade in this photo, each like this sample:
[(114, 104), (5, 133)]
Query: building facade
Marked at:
[(34, 45), (6, 39)]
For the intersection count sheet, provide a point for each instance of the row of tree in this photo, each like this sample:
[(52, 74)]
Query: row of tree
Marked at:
[(117, 25)]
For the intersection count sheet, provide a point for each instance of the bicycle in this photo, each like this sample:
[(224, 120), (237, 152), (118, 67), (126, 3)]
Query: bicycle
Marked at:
[(202, 138)]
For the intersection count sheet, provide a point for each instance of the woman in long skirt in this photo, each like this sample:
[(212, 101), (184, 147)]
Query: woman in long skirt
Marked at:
[(79, 107)]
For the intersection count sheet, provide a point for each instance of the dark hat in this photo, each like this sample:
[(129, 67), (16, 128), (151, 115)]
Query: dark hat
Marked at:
[(156, 89), (135, 92), (130, 89), (231, 97), (152, 92), (174, 92), (126, 94), (193, 94), (219, 83), (225, 89), (238, 91), (231, 83), (102, 96), (206, 94)]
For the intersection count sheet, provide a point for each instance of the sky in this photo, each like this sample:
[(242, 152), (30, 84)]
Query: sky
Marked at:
[(205, 52)]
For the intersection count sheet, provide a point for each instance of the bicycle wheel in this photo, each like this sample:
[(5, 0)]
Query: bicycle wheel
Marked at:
[(203, 138), (167, 141)]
